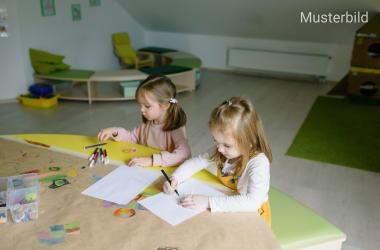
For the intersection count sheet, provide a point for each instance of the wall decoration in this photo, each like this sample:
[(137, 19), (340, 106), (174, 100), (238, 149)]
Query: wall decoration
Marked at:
[(76, 12), (47, 7), (94, 3), (3, 23)]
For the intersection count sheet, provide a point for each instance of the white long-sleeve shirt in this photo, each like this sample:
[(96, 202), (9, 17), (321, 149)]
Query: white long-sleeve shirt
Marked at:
[(252, 186)]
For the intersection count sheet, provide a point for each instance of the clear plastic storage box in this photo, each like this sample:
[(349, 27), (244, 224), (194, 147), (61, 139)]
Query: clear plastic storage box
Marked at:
[(3, 200), (23, 197)]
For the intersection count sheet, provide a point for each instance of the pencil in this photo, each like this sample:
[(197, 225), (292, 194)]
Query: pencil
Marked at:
[(95, 145), (93, 153), (106, 159), (168, 179), (38, 143)]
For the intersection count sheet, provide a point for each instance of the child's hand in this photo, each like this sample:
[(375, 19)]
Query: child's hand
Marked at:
[(106, 133), (141, 161), (169, 189), (195, 202)]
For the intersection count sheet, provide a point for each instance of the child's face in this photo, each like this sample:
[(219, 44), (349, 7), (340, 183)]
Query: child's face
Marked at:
[(151, 109), (226, 144)]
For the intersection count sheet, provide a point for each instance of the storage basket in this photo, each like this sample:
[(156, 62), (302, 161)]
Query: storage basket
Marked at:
[(41, 102), (129, 88)]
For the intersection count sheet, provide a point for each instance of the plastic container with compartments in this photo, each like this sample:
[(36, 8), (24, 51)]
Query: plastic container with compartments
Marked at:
[(23, 197), (3, 200)]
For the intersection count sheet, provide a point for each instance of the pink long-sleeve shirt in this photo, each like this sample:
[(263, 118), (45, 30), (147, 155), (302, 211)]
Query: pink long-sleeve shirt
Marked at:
[(173, 144)]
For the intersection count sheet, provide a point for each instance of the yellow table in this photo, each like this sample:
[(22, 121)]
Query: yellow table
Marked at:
[(99, 228)]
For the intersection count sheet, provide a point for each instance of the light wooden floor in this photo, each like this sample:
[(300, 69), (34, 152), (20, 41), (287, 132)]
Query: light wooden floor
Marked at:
[(347, 197)]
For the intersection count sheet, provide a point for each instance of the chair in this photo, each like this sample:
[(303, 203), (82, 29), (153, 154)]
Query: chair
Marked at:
[(127, 55)]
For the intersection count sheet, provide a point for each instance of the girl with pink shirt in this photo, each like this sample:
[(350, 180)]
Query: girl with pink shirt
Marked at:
[(163, 125)]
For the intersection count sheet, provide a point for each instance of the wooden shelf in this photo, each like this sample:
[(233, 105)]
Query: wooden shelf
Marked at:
[(105, 85)]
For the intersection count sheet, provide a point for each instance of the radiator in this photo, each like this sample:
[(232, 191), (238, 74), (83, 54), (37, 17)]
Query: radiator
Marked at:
[(279, 62)]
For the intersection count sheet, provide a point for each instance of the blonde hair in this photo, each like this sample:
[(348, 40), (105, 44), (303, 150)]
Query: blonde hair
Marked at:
[(239, 117), (164, 91)]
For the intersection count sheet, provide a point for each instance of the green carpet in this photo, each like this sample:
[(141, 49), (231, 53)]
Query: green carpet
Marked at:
[(339, 132)]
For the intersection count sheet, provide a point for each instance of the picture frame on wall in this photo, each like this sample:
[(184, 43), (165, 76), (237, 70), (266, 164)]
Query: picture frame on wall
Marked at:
[(94, 3), (3, 22), (47, 7), (76, 12)]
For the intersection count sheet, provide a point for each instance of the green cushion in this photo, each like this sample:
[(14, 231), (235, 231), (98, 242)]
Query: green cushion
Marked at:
[(62, 66), (39, 56), (187, 62), (126, 53), (45, 63), (297, 226), (43, 68), (72, 74), (124, 50), (157, 50), (184, 59), (46, 68), (120, 38), (165, 70)]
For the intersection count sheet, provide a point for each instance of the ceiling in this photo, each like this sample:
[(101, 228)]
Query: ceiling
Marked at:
[(270, 19)]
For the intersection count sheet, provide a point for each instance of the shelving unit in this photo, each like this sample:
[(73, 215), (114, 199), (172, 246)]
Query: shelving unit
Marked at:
[(104, 85)]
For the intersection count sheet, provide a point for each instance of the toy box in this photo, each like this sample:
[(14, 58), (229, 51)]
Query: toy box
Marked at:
[(366, 51), (364, 84)]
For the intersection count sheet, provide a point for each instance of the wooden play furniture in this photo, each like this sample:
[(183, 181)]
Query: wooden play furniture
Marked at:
[(85, 85)]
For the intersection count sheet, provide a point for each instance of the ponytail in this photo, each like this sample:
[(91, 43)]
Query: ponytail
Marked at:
[(175, 117)]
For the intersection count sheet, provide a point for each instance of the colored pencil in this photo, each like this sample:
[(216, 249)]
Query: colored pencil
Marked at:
[(95, 145)]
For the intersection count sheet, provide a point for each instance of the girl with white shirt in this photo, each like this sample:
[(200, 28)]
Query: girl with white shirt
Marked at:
[(242, 156)]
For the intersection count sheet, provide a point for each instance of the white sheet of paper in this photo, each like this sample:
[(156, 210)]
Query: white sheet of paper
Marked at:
[(122, 184), (167, 207)]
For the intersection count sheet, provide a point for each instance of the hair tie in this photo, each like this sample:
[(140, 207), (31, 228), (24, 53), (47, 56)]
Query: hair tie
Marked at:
[(173, 100)]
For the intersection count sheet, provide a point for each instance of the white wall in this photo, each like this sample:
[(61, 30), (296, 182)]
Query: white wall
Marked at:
[(12, 72), (213, 49), (208, 27), (86, 43)]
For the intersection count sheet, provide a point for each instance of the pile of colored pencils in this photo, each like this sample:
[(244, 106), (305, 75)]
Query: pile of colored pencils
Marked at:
[(100, 154)]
